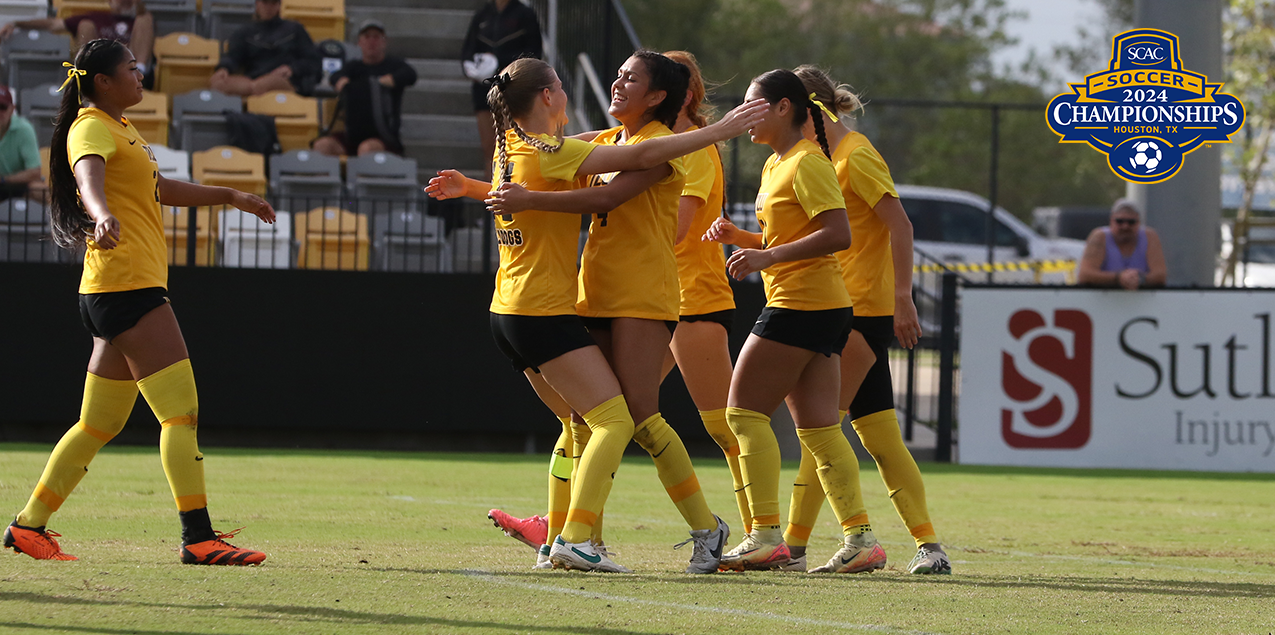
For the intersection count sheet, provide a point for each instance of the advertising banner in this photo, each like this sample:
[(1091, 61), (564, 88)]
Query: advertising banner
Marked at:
[(1169, 379)]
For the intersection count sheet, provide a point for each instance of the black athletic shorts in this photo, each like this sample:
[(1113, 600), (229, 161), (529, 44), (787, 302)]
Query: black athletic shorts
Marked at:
[(604, 324), (725, 318), (106, 315), (529, 340), (876, 393), (823, 332)]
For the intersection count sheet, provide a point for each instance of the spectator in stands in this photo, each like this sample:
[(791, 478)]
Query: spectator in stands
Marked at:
[(505, 30), (373, 92), (19, 154), (127, 21), (269, 54), (1123, 254)]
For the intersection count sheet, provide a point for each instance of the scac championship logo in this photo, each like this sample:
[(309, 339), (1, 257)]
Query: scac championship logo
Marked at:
[(1047, 376), (1145, 112)]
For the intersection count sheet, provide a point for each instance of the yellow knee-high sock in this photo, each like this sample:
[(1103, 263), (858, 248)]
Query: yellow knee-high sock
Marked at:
[(839, 473), (715, 424), (880, 434), (560, 468), (759, 464), (807, 499), (581, 434), (612, 428), (673, 464), (106, 406), (172, 397)]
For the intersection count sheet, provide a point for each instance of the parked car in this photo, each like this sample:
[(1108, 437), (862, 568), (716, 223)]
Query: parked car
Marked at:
[(950, 226)]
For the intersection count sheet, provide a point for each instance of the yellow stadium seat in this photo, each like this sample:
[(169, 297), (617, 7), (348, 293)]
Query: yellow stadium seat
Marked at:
[(150, 117), (177, 235), (184, 62), (323, 19), (296, 118), (229, 166), (68, 8), (331, 238)]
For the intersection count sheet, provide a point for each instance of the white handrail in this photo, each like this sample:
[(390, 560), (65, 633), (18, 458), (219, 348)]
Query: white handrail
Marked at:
[(586, 74)]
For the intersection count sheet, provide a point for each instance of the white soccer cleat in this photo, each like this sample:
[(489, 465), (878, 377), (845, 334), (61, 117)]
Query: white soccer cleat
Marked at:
[(860, 553), (930, 561), (542, 559), (582, 556), (709, 544), (795, 563)]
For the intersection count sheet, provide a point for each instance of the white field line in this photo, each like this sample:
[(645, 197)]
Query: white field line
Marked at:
[(487, 576)]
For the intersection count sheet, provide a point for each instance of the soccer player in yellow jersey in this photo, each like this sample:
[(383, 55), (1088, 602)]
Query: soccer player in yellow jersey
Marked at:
[(877, 269), (790, 354), (106, 196), (533, 316), (700, 347)]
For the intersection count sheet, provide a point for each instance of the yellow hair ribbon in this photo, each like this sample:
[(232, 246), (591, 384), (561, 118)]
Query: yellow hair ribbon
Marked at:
[(72, 73), (823, 107)]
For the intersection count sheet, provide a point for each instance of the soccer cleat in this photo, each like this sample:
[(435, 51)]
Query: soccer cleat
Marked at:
[(218, 551), (930, 561), (795, 563), (859, 554), (755, 554), (582, 556), (36, 542), (542, 559), (531, 531), (709, 544)]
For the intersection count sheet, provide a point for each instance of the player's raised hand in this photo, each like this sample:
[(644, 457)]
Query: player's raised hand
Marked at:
[(742, 118), (721, 231), (448, 184)]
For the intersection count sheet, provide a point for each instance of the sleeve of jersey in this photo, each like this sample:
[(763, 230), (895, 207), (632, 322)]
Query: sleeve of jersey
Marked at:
[(815, 184), (699, 174), (89, 136), (870, 176), (563, 164)]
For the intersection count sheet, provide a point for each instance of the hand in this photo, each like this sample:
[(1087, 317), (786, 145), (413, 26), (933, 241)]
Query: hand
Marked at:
[(254, 205), (448, 184), (1128, 279), (106, 233), (743, 118), (340, 84), (722, 231), (509, 198), (386, 81), (284, 71), (7, 30), (746, 261), (907, 327)]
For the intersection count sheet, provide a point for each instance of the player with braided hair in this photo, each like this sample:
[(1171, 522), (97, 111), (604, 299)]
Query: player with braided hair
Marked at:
[(789, 356), (533, 317)]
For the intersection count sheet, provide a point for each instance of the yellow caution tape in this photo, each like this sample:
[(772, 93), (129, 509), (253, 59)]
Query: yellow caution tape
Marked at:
[(1035, 266)]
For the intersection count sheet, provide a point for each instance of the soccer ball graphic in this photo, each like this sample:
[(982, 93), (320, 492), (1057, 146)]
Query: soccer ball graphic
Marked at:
[(1146, 155)]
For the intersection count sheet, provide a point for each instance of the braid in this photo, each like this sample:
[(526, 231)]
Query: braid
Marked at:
[(538, 143), (817, 118), (500, 117)]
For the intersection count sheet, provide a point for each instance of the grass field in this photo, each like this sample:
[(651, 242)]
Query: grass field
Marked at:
[(367, 542)]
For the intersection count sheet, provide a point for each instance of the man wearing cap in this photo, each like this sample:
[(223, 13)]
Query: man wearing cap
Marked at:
[(268, 54), (372, 90), (19, 154), (1123, 254), (126, 21)]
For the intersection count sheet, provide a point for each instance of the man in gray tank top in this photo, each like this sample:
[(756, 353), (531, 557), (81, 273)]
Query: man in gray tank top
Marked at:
[(1123, 254)]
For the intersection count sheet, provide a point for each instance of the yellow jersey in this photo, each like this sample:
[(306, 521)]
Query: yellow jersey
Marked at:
[(139, 260), (795, 188), (628, 268), (537, 274), (867, 266), (701, 265)]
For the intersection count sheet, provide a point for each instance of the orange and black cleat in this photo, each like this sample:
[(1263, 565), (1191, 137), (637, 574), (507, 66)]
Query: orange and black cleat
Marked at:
[(218, 551), (35, 542)]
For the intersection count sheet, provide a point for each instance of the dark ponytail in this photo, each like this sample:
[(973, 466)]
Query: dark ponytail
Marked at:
[(71, 224), (782, 84), (669, 76)]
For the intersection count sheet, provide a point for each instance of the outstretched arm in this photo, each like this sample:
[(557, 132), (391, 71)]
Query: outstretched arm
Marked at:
[(649, 154), (512, 198), (453, 184), (183, 194)]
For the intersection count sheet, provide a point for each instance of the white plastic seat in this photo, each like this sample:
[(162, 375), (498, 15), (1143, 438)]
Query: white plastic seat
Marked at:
[(247, 241)]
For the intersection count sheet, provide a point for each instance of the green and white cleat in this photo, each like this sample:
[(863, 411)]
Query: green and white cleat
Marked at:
[(930, 561), (542, 559), (860, 553), (582, 556), (709, 545)]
